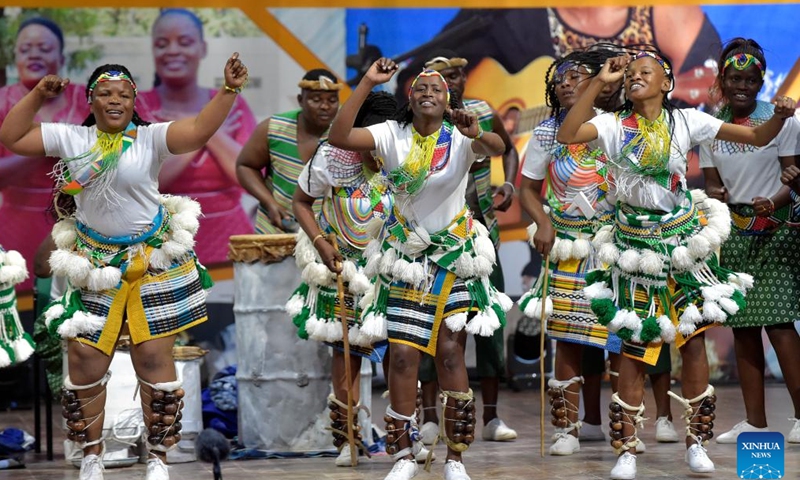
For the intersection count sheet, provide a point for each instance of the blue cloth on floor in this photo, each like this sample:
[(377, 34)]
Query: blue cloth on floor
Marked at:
[(222, 393)]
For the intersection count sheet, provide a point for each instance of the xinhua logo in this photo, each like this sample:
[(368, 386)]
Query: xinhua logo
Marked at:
[(760, 455)]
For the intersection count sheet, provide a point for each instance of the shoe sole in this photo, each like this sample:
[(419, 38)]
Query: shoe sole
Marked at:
[(700, 470), (668, 440), (504, 439), (564, 454), (620, 477)]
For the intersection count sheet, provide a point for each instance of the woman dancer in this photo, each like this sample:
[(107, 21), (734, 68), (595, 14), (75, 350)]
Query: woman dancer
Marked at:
[(125, 249), (748, 179), (663, 282), (355, 201), (431, 259)]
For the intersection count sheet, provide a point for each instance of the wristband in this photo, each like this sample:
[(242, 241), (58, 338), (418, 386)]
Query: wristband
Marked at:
[(513, 188), (314, 242), (771, 206), (479, 135), (236, 90)]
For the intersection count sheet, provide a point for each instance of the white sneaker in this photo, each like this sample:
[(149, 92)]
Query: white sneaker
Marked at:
[(641, 447), (455, 471), (591, 433), (429, 431), (422, 455), (698, 460), (403, 470), (731, 435), (156, 469), (497, 431), (92, 468), (625, 469), (343, 460), (794, 435), (565, 444), (665, 431)]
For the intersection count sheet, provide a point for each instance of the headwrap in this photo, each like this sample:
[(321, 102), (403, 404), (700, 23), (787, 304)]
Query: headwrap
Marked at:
[(443, 63), (656, 57), (321, 83), (741, 61), (430, 73), (109, 76)]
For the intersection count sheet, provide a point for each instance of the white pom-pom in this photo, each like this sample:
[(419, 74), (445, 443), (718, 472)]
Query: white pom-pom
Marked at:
[(359, 284), (373, 248), (464, 266), (485, 248), (554, 257), (603, 236), (629, 261), (183, 238), (417, 273), (597, 291), (400, 270), (564, 249), (618, 321), (71, 265), (372, 268), (103, 278), (295, 305), (503, 300), (13, 259), (387, 261), (728, 305), (581, 248), (375, 327), (64, 234), (710, 293), (349, 270), (53, 313), (173, 249), (686, 329), (5, 360), (632, 321), (741, 281), (608, 254), (178, 204), (483, 324), (482, 267), (667, 329), (636, 337), (416, 243), (367, 299), (691, 314), (159, 260), (334, 330), (456, 322), (315, 329), (532, 229), (725, 290), (712, 236), (698, 196), (22, 350), (186, 222), (681, 258), (651, 263), (12, 274), (534, 308), (81, 323), (713, 313), (699, 248)]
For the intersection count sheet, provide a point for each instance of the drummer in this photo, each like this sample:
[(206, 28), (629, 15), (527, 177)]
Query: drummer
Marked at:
[(355, 202)]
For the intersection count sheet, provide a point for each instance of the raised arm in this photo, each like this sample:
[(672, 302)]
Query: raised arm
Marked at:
[(342, 134), (764, 133), (487, 144), (19, 132), (575, 128), (189, 134)]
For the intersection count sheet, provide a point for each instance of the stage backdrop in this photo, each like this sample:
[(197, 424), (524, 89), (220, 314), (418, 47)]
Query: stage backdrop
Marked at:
[(509, 50)]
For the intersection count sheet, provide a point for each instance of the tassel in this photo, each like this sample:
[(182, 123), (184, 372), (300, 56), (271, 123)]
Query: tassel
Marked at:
[(359, 284), (598, 290), (366, 300), (503, 300), (712, 236), (698, 196), (373, 249), (581, 248), (185, 221), (416, 242), (632, 321), (104, 278), (485, 248), (554, 257), (464, 266), (64, 234), (681, 258), (456, 322), (629, 261), (348, 270), (618, 321), (534, 308), (667, 329), (686, 329), (608, 254), (375, 327), (183, 238), (71, 265), (81, 323), (173, 249), (603, 236), (532, 229), (713, 313), (728, 305), (372, 269), (159, 260), (699, 247), (12, 274), (691, 314), (564, 249), (482, 267), (23, 348), (55, 311), (741, 281), (387, 261), (5, 358), (295, 305)]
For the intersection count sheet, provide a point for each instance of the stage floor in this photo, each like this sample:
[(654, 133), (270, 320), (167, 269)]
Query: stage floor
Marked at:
[(485, 460)]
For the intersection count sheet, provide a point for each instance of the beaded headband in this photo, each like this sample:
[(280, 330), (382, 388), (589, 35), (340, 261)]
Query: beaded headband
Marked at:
[(110, 76), (443, 63), (322, 83), (656, 57), (568, 66), (430, 73), (741, 61)]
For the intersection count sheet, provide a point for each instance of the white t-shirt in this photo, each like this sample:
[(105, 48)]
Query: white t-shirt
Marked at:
[(748, 171), (136, 180), (692, 127), (443, 196)]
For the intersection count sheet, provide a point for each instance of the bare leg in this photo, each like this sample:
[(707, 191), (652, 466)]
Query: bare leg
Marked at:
[(631, 390), (613, 373), (694, 374), (340, 378), (568, 365), (661, 383), (452, 372), (750, 366), (88, 365), (403, 369), (786, 342), (490, 391)]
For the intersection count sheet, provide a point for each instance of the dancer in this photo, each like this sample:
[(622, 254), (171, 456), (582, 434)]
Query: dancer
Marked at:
[(16, 345), (481, 198), (125, 249), (25, 187), (748, 179), (579, 206), (281, 145), (354, 197), (207, 175), (432, 259), (663, 281)]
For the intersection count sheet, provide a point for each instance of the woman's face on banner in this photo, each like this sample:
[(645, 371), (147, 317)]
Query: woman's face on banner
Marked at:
[(37, 53), (178, 48)]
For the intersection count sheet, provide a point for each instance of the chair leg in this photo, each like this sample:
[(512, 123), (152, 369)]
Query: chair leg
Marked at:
[(37, 402)]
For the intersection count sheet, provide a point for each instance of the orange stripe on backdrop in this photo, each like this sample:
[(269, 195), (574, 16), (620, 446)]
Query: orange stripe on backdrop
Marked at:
[(385, 3)]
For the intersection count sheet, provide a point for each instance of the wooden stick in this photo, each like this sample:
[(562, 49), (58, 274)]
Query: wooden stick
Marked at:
[(545, 287), (346, 341)]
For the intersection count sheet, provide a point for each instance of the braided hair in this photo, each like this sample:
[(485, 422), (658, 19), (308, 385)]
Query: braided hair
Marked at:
[(736, 46), (592, 59)]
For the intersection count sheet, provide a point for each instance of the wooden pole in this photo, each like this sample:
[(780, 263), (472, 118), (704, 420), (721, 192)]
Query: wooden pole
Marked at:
[(545, 288)]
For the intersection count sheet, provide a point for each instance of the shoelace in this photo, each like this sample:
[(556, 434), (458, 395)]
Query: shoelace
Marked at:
[(455, 466), (628, 459), (561, 436), (399, 465)]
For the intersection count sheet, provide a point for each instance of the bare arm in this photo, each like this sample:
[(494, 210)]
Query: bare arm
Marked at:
[(342, 134), (714, 186), (766, 206), (189, 134), (531, 200), (302, 206), (510, 165), (253, 158), (19, 132)]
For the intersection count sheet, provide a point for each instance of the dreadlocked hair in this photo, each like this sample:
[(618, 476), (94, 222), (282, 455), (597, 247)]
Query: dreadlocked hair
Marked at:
[(736, 46), (592, 59), (405, 116), (63, 205), (90, 120), (377, 108)]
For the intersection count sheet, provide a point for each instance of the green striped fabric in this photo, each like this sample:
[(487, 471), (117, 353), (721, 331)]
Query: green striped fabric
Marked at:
[(482, 177)]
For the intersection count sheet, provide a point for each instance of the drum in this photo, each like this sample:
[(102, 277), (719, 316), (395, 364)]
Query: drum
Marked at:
[(283, 381)]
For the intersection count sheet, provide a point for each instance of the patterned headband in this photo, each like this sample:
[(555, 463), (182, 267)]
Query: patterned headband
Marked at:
[(430, 73), (568, 66), (110, 76), (741, 61), (657, 58), (443, 63), (322, 83)]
